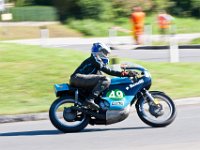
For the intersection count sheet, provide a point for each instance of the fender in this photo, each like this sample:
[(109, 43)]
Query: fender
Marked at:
[(63, 90), (160, 92), (154, 92), (140, 95)]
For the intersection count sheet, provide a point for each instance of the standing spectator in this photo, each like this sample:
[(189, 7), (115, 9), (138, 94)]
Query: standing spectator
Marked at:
[(137, 18), (164, 21)]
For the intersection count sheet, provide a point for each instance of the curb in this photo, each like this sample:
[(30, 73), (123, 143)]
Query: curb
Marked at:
[(23, 117), (167, 47), (45, 116), (135, 47)]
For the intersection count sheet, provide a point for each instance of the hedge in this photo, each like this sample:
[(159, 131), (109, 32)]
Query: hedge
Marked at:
[(34, 13)]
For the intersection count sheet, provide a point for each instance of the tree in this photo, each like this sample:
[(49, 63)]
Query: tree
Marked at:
[(108, 9), (124, 7), (186, 8), (66, 9), (43, 2), (195, 4), (79, 9), (20, 3), (159, 5)]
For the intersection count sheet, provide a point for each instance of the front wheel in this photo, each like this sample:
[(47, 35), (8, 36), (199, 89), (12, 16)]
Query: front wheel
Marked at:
[(158, 114), (66, 119)]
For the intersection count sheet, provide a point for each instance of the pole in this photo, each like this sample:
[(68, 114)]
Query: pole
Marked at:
[(44, 34), (148, 35), (112, 36), (173, 50)]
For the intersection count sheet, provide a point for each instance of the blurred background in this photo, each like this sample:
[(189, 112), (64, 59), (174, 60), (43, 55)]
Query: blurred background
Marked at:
[(84, 17)]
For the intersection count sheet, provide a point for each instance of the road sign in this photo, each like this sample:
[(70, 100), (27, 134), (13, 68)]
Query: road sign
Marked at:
[(6, 17)]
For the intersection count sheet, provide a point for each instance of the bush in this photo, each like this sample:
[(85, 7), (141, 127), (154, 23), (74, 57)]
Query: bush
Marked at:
[(20, 3), (90, 27), (34, 13), (83, 9), (90, 9), (43, 2)]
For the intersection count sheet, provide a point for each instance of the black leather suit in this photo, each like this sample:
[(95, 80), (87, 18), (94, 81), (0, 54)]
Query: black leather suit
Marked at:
[(88, 75)]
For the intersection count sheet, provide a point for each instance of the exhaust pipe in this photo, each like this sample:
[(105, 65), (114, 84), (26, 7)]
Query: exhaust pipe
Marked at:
[(90, 112)]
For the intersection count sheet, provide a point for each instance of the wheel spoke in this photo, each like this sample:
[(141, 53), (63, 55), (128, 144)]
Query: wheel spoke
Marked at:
[(66, 119), (62, 119), (160, 113)]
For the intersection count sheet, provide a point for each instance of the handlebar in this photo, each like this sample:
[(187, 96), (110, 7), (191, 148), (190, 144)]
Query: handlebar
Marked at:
[(142, 71)]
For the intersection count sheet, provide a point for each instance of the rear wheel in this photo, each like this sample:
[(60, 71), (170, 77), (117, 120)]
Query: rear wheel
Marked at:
[(158, 114), (66, 119)]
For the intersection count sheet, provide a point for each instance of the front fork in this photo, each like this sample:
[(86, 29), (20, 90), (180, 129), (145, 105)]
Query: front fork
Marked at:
[(150, 98), (155, 108)]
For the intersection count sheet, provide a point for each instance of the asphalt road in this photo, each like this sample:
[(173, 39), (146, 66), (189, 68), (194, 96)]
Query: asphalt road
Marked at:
[(186, 55), (182, 134), (124, 47)]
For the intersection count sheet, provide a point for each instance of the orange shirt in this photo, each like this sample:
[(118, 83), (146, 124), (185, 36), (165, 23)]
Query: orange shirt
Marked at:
[(163, 21), (138, 18)]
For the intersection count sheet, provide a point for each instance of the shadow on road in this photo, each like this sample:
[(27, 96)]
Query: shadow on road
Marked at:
[(32, 133), (115, 129), (56, 132)]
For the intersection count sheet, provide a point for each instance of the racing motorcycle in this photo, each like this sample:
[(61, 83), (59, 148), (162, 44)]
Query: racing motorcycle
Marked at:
[(69, 113)]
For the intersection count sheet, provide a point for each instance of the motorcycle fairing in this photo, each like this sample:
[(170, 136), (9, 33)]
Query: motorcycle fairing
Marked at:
[(121, 92), (122, 80)]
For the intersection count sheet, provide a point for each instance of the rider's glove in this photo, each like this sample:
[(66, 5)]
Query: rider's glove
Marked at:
[(132, 74), (129, 74), (124, 74)]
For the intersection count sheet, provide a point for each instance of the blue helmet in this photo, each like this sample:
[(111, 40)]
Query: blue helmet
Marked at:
[(100, 50)]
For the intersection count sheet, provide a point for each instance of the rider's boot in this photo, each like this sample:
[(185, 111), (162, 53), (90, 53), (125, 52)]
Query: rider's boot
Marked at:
[(90, 102)]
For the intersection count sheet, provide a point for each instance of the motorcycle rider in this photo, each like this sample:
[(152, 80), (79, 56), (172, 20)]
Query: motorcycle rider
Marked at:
[(88, 74)]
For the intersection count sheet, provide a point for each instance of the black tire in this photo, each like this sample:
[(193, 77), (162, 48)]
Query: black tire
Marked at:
[(61, 126), (145, 119)]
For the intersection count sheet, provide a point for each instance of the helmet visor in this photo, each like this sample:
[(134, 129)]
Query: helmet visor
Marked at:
[(103, 55)]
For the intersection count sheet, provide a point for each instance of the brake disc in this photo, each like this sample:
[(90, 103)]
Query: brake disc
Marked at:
[(156, 110)]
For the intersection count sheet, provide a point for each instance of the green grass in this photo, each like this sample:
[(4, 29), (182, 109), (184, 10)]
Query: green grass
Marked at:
[(91, 27), (179, 80), (195, 41), (28, 74), (181, 25), (31, 32)]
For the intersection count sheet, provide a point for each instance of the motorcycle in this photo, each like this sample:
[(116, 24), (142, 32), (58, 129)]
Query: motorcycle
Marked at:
[(68, 113)]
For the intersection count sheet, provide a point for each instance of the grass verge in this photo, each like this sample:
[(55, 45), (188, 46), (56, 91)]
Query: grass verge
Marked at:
[(195, 41), (28, 74), (90, 27), (30, 32)]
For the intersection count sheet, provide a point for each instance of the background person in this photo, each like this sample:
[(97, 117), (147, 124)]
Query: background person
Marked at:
[(164, 21), (137, 18)]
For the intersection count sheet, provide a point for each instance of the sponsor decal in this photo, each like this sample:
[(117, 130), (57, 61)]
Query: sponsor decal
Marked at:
[(115, 94), (135, 84), (118, 103)]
